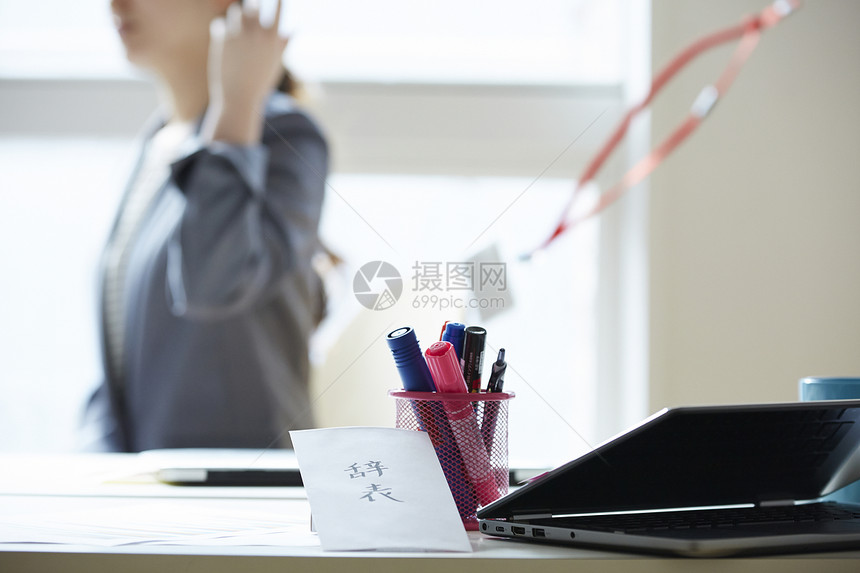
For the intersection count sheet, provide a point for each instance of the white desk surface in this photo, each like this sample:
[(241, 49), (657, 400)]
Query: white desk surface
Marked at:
[(37, 484)]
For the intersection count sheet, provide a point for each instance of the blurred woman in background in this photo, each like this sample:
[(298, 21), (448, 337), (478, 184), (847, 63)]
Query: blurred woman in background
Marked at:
[(209, 295)]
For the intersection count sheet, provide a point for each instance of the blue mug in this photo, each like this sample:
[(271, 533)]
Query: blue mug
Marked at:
[(834, 388)]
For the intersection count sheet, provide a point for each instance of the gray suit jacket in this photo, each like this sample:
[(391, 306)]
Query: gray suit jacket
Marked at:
[(221, 297)]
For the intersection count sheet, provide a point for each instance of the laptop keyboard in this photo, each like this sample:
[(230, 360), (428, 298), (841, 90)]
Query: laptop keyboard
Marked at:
[(710, 518)]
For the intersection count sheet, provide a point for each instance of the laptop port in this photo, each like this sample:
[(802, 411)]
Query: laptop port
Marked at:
[(538, 532), (500, 529), (518, 530)]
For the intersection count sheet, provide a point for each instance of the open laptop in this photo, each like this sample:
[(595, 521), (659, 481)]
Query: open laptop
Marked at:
[(701, 481)]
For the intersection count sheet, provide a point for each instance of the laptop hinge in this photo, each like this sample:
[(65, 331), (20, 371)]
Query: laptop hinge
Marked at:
[(531, 515), (775, 503)]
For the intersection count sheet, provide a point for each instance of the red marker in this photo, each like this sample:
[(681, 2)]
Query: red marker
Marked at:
[(442, 362)]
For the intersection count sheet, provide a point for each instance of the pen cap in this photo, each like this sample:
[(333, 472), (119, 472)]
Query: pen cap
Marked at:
[(455, 333), (497, 377), (410, 363), (444, 367), (473, 356)]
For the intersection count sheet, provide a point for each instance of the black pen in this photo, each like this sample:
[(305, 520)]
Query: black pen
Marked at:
[(472, 361), (497, 377), (491, 407)]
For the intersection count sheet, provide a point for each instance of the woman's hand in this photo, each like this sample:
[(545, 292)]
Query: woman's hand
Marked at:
[(244, 66)]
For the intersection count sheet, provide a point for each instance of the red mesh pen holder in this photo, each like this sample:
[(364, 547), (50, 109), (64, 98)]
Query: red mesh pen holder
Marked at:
[(470, 435)]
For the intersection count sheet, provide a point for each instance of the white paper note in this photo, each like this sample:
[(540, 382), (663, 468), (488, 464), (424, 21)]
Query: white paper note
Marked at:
[(378, 488)]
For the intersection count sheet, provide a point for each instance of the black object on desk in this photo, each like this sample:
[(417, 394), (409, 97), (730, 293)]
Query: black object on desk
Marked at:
[(706, 481), (230, 477)]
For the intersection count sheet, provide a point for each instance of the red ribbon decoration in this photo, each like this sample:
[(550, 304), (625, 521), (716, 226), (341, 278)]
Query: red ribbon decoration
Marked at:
[(749, 32)]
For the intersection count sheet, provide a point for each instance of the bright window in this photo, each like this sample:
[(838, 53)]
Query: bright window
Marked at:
[(526, 79), (545, 321), (507, 41), (448, 41)]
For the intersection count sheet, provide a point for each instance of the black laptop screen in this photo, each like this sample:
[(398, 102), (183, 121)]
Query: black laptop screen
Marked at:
[(701, 456)]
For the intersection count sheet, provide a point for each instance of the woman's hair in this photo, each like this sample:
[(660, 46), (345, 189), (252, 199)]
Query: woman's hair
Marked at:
[(288, 83)]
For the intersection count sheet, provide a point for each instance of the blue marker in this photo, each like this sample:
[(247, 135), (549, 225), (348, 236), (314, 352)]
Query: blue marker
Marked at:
[(410, 361), (455, 333)]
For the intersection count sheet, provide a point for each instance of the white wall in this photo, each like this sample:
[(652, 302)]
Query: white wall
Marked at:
[(755, 222)]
